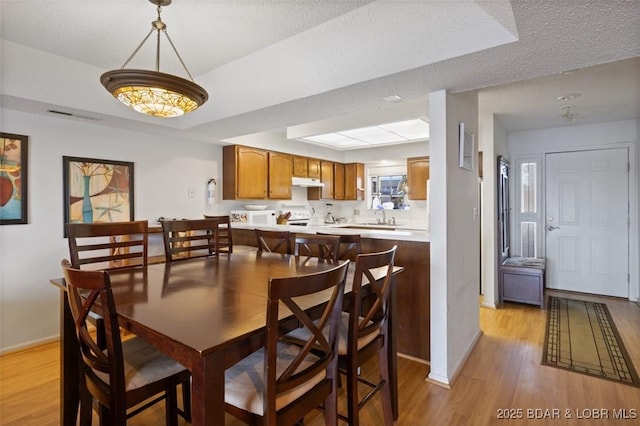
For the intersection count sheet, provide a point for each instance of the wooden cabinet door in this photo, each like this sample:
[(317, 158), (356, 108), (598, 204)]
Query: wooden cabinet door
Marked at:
[(338, 181), (354, 181), (251, 173), (313, 168), (280, 172), (300, 166), (326, 175), (417, 175), (244, 173)]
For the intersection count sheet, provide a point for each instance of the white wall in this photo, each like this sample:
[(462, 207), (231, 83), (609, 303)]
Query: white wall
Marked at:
[(571, 138), (455, 237), (493, 142), (30, 254)]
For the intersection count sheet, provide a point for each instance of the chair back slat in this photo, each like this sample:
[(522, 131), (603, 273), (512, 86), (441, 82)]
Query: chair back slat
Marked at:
[(274, 241), (225, 235), (286, 292), (186, 239), (89, 291), (108, 245), (372, 318), (350, 246), (322, 246)]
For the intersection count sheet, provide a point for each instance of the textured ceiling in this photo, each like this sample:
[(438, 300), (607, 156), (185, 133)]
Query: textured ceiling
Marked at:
[(273, 64)]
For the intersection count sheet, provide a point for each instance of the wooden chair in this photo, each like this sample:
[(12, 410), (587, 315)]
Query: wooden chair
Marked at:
[(108, 245), (323, 246), (364, 331), (281, 382), (186, 239), (126, 373), (349, 247), (225, 237), (274, 241)]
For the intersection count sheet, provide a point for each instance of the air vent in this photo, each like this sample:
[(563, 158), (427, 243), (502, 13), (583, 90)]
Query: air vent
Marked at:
[(69, 114)]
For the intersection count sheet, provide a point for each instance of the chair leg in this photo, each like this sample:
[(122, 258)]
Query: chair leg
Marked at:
[(186, 400), (386, 389), (171, 406), (330, 410), (352, 394), (86, 404)]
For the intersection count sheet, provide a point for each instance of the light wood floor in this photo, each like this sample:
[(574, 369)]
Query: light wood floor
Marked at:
[(502, 372)]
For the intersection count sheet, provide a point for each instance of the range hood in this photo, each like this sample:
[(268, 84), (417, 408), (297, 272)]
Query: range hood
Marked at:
[(306, 182)]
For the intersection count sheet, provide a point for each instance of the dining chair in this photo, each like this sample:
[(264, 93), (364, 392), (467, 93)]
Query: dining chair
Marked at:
[(125, 373), (364, 332), (349, 247), (281, 382), (274, 241), (225, 236), (189, 238), (111, 245), (322, 246)]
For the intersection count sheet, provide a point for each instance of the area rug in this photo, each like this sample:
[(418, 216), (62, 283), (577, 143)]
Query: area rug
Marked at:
[(582, 337)]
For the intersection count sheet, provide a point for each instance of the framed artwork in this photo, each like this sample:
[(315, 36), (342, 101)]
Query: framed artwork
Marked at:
[(97, 190), (13, 179), (467, 148)]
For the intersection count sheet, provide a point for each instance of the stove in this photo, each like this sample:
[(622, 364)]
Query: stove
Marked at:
[(300, 215)]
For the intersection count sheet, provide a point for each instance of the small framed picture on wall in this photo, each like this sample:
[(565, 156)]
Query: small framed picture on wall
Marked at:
[(13, 179)]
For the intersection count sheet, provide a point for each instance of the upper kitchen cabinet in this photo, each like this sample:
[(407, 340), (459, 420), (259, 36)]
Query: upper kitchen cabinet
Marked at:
[(354, 181), (326, 177), (313, 168), (244, 173), (338, 181), (417, 176), (280, 173), (300, 166)]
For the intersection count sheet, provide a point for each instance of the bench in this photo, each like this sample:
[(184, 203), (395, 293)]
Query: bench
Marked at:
[(522, 280)]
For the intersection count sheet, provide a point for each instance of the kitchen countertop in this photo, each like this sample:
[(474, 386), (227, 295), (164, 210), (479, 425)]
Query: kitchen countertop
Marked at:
[(384, 232)]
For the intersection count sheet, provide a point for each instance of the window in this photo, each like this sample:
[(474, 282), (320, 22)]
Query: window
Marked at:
[(388, 189), (527, 216)]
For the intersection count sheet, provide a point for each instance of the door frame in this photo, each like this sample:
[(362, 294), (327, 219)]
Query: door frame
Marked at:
[(543, 223), (634, 176)]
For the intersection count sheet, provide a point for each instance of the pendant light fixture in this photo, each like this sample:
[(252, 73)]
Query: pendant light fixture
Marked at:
[(153, 92)]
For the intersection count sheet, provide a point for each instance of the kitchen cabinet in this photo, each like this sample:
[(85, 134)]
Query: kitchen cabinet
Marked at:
[(280, 173), (417, 176), (300, 166), (244, 173), (313, 168), (354, 181), (326, 177), (338, 181)]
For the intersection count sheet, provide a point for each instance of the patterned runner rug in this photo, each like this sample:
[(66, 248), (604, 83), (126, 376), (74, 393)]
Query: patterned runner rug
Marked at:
[(582, 337)]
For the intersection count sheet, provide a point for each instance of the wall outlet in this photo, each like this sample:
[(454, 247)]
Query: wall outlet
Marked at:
[(356, 212)]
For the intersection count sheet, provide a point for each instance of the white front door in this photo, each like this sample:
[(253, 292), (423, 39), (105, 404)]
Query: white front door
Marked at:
[(587, 228)]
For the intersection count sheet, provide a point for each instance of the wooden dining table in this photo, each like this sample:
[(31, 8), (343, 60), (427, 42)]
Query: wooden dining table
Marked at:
[(206, 313)]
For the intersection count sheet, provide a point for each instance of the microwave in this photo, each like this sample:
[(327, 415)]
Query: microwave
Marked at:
[(253, 217)]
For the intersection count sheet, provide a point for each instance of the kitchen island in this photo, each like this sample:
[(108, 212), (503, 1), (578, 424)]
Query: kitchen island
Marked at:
[(413, 253)]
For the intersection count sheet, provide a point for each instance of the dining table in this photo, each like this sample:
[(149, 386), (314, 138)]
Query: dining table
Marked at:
[(207, 314)]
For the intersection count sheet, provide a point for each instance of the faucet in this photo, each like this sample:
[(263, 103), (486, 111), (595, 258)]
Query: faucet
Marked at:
[(384, 216)]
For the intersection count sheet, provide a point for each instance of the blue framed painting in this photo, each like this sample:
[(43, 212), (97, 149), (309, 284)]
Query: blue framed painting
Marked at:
[(97, 191), (13, 179)]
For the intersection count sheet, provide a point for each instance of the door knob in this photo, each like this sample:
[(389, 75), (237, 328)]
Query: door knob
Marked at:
[(552, 228)]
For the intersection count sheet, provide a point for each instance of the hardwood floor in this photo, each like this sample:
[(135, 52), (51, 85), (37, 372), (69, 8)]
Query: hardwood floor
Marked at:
[(502, 373)]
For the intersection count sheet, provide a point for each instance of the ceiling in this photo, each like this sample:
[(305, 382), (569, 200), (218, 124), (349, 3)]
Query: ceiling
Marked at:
[(279, 65)]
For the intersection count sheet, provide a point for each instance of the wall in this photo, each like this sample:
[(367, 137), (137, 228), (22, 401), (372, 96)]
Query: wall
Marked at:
[(612, 134), (30, 254), (493, 142), (455, 237)]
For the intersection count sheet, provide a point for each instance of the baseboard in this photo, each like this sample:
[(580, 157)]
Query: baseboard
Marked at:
[(28, 345), (413, 358), (448, 383)]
